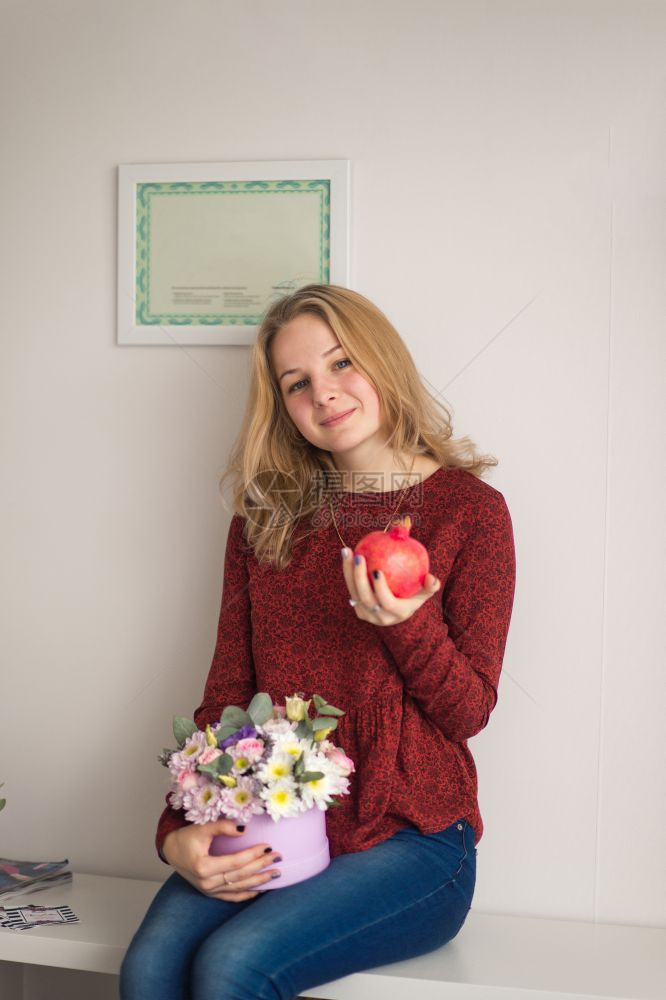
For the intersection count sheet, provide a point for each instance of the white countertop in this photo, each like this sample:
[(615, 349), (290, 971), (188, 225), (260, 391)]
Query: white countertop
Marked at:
[(494, 957)]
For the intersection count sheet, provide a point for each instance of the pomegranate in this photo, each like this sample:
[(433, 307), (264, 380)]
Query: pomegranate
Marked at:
[(403, 561)]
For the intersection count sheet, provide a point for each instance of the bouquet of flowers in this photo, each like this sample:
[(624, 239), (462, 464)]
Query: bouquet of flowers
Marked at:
[(269, 759)]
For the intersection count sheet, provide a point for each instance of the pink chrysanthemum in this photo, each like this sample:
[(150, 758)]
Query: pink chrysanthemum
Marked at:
[(202, 803), (189, 755), (240, 803), (185, 782)]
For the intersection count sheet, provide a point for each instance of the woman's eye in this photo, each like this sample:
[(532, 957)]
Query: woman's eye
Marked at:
[(342, 361)]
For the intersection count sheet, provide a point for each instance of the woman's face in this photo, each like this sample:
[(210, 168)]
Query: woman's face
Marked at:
[(323, 382)]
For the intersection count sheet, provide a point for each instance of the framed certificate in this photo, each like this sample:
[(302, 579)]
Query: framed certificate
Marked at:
[(204, 248)]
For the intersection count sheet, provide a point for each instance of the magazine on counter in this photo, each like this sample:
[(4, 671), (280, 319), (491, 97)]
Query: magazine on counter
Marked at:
[(20, 877)]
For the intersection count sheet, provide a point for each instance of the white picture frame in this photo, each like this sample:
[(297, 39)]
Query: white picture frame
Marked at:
[(203, 248)]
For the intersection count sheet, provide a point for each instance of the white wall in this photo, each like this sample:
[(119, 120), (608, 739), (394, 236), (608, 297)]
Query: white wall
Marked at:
[(508, 172)]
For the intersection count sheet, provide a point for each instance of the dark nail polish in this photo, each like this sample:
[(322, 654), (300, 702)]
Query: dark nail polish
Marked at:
[(357, 560), (276, 860), (267, 850), (375, 574), (240, 828), (275, 874)]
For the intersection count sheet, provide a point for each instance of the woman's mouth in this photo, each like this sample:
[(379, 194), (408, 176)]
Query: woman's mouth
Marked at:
[(334, 421)]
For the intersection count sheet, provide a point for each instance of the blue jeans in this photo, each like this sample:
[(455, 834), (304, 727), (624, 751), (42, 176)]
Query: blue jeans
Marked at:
[(403, 897)]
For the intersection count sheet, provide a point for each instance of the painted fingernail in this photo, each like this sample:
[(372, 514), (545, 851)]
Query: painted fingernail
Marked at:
[(267, 850), (375, 574), (344, 553), (240, 828), (277, 860), (276, 874), (357, 560)]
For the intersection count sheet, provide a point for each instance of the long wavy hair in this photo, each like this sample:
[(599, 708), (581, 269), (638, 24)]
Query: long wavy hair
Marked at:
[(273, 467)]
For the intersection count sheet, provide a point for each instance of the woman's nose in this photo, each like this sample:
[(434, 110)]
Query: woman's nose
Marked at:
[(322, 391)]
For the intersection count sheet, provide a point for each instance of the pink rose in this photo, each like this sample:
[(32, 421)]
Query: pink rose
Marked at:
[(209, 754), (250, 748), (336, 756), (187, 779)]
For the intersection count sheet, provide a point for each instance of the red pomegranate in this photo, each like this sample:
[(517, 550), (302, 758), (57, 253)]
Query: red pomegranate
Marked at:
[(403, 561)]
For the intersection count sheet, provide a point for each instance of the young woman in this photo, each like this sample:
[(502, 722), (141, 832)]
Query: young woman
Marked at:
[(340, 436)]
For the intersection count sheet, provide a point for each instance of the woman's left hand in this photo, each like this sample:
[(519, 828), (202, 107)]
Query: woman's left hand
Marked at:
[(377, 604)]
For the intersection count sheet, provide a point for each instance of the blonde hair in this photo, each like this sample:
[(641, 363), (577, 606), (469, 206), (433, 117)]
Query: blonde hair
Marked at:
[(273, 466)]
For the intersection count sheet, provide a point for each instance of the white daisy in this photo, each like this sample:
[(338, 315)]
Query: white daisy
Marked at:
[(281, 799), (276, 727), (320, 792), (315, 761), (291, 745), (278, 767)]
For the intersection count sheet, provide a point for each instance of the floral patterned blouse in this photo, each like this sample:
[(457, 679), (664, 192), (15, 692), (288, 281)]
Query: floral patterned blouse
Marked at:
[(413, 693)]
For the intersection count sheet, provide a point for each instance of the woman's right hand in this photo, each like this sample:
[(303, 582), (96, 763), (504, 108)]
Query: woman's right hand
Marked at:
[(186, 850)]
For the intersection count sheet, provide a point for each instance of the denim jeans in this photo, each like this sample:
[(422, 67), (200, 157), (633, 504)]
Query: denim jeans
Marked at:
[(404, 897)]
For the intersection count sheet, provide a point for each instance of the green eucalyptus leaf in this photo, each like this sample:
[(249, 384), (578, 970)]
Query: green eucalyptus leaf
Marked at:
[(299, 766), (182, 729), (310, 776), (323, 707), (330, 710), (304, 729), (236, 717), (3, 803), (324, 724), (225, 763), (208, 769), (221, 765), (224, 732), (260, 708)]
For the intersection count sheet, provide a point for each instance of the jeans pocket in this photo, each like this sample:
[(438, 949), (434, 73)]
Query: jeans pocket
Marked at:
[(461, 833), (451, 847), (469, 835)]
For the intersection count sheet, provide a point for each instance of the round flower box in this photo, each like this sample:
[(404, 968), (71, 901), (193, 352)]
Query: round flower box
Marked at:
[(301, 841)]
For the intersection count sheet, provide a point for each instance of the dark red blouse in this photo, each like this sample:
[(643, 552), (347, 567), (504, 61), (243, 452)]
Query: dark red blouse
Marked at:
[(414, 693)]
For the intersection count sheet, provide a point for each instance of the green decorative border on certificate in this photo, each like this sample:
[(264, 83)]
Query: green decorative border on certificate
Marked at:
[(145, 193)]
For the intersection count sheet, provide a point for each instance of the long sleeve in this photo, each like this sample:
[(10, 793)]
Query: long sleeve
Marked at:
[(450, 651), (231, 679)]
